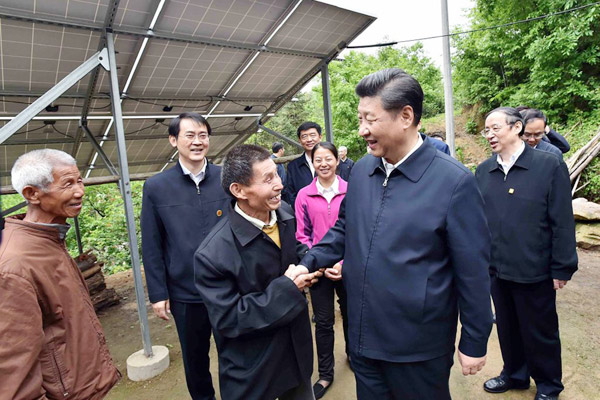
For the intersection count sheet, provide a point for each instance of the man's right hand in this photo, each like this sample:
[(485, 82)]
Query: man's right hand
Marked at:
[(162, 309)]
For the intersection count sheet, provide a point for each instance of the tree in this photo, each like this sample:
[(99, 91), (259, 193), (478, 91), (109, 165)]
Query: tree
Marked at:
[(552, 64)]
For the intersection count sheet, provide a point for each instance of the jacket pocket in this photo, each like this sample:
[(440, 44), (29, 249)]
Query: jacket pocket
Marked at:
[(54, 372)]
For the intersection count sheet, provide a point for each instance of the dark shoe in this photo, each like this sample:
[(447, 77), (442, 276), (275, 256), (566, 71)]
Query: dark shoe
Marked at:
[(499, 385), (320, 390), (541, 396)]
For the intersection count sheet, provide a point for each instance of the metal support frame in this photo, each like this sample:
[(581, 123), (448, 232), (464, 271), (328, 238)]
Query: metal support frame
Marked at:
[(279, 135), (447, 71), (109, 165), (100, 58), (78, 235), (128, 203), (327, 103), (13, 208)]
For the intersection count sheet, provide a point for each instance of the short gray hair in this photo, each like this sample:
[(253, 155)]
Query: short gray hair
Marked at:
[(239, 163), (35, 168)]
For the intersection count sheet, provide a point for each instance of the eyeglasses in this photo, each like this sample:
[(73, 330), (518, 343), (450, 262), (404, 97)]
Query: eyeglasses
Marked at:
[(532, 135), (495, 129), (312, 135), (193, 136)]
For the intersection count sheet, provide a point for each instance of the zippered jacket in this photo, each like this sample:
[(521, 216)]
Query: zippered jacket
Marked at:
[(176, 217), (416, 250), (51, 343)]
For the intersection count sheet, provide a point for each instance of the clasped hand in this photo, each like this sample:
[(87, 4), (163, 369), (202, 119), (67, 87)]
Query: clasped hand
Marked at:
[(301, 277)]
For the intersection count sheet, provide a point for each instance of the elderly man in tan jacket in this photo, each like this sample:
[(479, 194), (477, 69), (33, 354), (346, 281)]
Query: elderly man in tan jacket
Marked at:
[(52, 345)]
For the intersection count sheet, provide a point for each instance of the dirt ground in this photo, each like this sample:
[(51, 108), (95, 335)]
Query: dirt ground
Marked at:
[(580, 333)]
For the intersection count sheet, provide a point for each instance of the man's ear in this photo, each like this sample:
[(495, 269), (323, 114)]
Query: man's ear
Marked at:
[(32, 194), (173, 140), (238, 191), (408, 116)]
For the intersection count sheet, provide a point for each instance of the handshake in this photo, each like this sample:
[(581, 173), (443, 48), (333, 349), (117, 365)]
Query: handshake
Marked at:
[(302, 278)]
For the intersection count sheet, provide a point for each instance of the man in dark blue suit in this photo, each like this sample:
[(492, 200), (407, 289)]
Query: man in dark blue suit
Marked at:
[(416, 246), (179, 208), (534, 122), (527, 196), (300, 172)]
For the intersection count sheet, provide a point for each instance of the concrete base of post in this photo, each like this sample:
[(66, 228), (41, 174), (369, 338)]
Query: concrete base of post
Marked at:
[(142, 368)]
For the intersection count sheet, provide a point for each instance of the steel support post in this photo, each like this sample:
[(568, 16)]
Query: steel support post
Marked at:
[(78, 236), (327, 103), (109, 165), (126, 185), (100, 58), (447, 71)]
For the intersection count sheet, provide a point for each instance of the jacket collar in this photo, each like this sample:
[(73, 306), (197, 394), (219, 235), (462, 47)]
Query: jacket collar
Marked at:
[(524, 161), (55, 232), (243, 229), (176, 169), (313, 191), (413, 168)]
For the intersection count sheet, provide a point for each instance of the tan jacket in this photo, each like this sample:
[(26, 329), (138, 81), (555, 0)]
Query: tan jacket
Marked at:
[(51, 343)]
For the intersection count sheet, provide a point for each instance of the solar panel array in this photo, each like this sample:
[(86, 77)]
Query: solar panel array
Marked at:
[(212, 57)]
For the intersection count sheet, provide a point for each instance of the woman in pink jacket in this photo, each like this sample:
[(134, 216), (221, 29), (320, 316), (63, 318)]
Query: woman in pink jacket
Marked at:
[(317, 207)]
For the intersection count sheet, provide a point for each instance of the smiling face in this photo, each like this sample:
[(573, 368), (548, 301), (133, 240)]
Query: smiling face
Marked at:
[(263, 194), (534, 131), (309, 138), (386, 133), (63, 198), (192, 143), (325, 164)]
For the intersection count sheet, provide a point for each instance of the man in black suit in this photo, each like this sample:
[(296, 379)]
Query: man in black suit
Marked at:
[(300, 172), (255, 302), (534, 122), (345, 165), (415, 244), (179, 207), (527, 196)]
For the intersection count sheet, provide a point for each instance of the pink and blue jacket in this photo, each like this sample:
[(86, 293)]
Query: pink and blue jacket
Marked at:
[(314, 216)]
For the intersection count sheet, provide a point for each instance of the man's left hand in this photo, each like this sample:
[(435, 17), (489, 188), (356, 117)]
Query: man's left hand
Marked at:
[(558, 284), (470, 365)]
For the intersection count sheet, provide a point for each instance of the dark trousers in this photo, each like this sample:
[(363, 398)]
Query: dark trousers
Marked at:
[(384, 380), (193, 328), (322, 296), (527, 326)]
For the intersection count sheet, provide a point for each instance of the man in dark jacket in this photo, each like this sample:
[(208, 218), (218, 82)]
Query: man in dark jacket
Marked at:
[(179, 207), (551, 136), (300, 172), (415, 244), (345, 165), (255, 302), (527, 196), (278, 151), (534, 122)]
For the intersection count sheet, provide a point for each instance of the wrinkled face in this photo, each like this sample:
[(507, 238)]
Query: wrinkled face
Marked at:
[(325, 163), (309, 138), (63, 197), (383, 131), (192, 141), (499, 134), (342, 153), (264, 192), (534, 132)]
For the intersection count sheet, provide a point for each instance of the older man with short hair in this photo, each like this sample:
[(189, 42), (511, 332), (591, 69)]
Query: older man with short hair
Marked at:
[(52, 345), (255, 303)]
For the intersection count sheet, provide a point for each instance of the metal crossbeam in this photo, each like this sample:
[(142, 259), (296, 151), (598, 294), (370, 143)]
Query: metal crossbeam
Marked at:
[(100, 58)]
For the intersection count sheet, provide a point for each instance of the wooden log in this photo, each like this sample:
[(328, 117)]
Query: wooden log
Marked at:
[(106, 298), (588, 159), (92, 270), (86, 264), (95, 283)]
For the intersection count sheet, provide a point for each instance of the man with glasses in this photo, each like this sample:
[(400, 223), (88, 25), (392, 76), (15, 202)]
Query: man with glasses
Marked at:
[(535, 128), (179, 207), (527, 196), (300, 172)]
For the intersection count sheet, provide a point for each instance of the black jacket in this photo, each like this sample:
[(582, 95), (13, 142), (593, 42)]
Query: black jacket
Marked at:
[(176, 217), (344, 168), (530, 215), (557, 140), (416, 250), (259, 317), (298, 176)]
